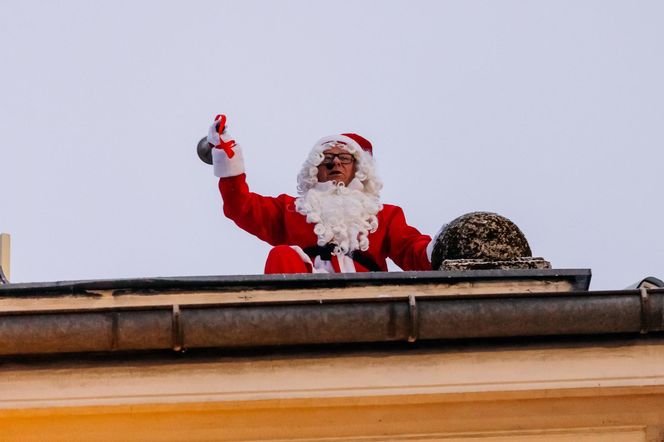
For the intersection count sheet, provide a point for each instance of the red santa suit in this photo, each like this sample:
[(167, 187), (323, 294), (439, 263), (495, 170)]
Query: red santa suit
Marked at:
[(303, 241)]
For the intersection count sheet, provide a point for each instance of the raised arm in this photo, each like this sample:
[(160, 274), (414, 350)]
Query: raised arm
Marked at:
[(257, 214)]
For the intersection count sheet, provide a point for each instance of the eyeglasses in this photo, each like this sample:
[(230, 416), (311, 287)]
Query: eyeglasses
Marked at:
[(344, 158)]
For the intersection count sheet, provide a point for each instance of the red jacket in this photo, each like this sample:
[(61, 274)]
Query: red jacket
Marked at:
[(275, 221)]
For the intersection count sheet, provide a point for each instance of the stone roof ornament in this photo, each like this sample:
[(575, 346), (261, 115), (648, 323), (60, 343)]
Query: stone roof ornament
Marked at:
[(483, 240)]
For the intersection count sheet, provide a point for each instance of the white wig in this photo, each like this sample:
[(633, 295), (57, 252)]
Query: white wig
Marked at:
[(365, 167)]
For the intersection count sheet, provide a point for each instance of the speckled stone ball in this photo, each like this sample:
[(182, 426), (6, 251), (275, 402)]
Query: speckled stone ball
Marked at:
[(480, 235)]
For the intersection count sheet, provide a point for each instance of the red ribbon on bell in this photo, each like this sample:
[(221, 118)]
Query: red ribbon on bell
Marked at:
[(226, 146)]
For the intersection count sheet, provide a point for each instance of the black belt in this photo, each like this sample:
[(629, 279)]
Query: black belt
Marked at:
[(325, 253)]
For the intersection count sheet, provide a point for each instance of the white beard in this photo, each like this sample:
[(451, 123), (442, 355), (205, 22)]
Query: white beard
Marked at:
[(342, 215)]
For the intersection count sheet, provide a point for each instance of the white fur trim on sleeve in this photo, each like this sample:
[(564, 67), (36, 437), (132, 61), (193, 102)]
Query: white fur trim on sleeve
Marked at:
[(226, 167)]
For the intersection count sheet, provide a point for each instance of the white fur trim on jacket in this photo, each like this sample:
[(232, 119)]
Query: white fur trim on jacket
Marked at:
[(226, 167), (346, 264)]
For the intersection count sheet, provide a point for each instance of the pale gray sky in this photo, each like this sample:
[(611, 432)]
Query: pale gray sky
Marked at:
[(549, 112)]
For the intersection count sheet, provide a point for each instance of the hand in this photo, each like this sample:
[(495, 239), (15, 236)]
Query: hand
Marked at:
[(218, 136)]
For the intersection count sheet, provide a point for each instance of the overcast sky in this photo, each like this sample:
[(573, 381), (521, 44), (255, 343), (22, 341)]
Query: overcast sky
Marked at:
[(548, 112)]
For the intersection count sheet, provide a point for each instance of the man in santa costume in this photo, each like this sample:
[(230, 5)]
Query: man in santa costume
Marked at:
[(336, 224)]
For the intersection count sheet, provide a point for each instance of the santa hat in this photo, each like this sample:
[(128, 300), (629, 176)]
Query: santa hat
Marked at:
[(358, 142), (358, 146)]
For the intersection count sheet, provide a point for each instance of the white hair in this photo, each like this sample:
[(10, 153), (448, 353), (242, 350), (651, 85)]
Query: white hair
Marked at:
[(365, 166)]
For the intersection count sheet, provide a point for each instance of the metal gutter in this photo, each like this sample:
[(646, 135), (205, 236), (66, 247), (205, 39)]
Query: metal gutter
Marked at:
[(179, 325)]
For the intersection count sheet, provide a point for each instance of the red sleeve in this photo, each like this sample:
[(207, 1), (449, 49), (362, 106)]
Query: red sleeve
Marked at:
[(407, 247), (259, 215)]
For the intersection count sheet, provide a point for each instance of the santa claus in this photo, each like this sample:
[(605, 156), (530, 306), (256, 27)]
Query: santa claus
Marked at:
[(336, 224)]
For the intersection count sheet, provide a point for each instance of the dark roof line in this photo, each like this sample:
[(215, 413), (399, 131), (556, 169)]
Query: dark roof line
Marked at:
[(580, 279)]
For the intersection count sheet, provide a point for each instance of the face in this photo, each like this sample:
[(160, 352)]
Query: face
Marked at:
[(336, 170)]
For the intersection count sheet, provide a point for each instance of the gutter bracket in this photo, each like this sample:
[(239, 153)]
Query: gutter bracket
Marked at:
[(414, 328), (176, 327), (646, 310)]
